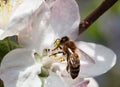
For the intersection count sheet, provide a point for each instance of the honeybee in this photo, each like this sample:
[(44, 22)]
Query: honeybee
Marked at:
[(69, 48)]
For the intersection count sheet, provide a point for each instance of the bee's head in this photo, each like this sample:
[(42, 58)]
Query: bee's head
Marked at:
[(64, 39)]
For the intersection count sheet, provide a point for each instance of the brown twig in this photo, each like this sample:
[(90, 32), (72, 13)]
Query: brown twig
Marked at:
[(91, 18), (1, 83)]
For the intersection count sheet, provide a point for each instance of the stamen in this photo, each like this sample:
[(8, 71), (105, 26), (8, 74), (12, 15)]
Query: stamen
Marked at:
[(5, 5), (6, 8), (62, 59), (57, 57), (18, 1), (45, 52)]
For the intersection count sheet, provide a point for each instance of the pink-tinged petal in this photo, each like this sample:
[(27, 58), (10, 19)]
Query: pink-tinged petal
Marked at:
[(19, 67), (92, 82), (38, 34), (21, 17), (82, 84), (65, 18), (104, 59), (69, 82), (87, 82), (54, 81)]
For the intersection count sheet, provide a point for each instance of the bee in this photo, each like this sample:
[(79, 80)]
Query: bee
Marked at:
[(69, 49)]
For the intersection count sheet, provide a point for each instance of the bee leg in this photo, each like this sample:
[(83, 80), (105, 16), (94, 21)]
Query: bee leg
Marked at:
[(60, 47), (57, 48), (53, 54), (67, 68), (59, 52), (54, 49)]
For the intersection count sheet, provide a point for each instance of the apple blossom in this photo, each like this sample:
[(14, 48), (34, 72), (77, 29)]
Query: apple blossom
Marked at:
[(37, 24), (16, 14)]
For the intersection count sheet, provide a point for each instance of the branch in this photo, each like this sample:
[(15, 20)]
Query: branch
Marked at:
[(1, 83), (91, 18)]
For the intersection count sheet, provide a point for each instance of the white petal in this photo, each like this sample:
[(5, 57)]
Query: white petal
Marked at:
[(38, 34), (53, 81), (17, 65), (104, 59), (29, 77), (65, 18), (21, 17), (69, 82), (1, 31), (31, 81)]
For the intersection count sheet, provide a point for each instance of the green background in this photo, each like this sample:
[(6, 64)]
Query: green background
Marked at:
[(106, 31)]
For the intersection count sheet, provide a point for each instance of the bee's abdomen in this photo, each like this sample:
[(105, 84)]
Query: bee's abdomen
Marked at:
[(74, 71)]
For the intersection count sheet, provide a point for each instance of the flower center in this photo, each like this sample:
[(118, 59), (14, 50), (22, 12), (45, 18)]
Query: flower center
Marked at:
[(56, 56), (6, 9), (47, 58)]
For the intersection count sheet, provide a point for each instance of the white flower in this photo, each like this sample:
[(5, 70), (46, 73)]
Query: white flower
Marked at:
[(16, 14), (37, 23)]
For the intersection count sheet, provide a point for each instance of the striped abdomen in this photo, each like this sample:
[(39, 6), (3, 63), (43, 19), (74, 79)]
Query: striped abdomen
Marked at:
[(74, 71)]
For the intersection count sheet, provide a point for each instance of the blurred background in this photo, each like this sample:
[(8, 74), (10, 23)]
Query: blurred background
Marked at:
[(106, 31)]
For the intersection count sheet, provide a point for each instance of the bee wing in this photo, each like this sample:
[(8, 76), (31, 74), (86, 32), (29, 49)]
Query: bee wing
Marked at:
[(87, 57)]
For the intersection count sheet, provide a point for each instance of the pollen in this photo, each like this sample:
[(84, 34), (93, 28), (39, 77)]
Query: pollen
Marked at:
[(5, 5), (57, 57), (57, 42), (6, 9), (62, 59), (18, 1)]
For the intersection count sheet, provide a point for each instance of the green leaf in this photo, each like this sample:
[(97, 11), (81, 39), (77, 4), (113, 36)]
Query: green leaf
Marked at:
[(6, 46)]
